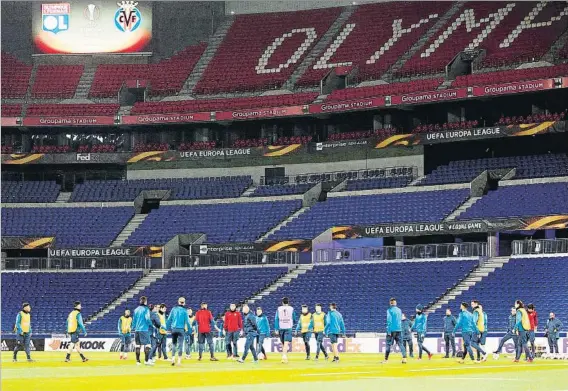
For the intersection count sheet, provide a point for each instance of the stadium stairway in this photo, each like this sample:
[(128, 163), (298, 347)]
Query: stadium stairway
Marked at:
[(320, 46), (141, 284), (124, 110), (134, 223), (285, 279), (85, 82), (63, 197), (552, 53), (476, 275), (249, 191), (28, 96), (207, 56), (462, 208), (284, 222), (422, 41)]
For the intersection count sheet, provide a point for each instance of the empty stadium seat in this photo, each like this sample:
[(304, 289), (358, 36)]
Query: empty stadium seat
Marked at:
[(72, 227), (223, 223), (510, 76), (197, 145), (260, 51), (360, 289), (430, 206), (384, 89), (496, 28), (14, 110), (181, 188), (51, 295), (218, 287), (56, 81), (15, 77), (197, 105), (378, 183), (165, 77), (521, 201), (104, 109), (499, 290), (30, 191), (380, 134), (279, 190), (429, 128), (51, 149), (536, 166), (531, 119), (367, 39)]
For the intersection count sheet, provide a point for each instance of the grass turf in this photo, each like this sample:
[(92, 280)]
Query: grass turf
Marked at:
[(355, 372)]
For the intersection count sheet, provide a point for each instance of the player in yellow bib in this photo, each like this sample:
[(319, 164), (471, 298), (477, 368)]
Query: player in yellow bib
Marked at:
[(162, 334), (522, 326), (125, 333), (74, 324), (23, 330), (306, 326), (319, 326)]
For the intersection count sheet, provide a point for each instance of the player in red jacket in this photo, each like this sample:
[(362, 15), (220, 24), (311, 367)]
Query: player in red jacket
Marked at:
[(233, 324), (533, 318), (205, 322)]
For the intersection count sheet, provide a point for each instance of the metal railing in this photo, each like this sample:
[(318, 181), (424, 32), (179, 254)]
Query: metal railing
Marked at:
[(418, 251), (76, 263), (386, 172), (237, 259), (540, 246)]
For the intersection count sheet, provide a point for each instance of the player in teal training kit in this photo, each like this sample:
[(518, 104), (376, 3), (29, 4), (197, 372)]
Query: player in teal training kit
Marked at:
[(334, 327), (189, 337), (142, 327), (420, 326), (406, 335), (178, 322), (263, 331), (394, 330), (467, 325), (250, 330)]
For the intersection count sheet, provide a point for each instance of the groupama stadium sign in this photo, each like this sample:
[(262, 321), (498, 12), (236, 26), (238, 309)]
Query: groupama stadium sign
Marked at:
[(294, 111)]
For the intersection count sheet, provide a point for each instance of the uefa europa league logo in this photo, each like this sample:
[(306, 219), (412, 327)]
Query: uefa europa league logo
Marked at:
[(91, 8), (92, 13)]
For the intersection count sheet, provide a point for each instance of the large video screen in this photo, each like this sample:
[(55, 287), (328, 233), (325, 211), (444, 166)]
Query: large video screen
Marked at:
[(85, 26)]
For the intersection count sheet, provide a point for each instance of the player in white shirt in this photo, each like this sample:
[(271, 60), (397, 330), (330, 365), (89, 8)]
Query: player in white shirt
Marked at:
[(284, 324)]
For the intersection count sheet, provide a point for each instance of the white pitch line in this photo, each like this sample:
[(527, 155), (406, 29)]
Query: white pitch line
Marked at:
[(485, 366), (336, 373), (477, 378)]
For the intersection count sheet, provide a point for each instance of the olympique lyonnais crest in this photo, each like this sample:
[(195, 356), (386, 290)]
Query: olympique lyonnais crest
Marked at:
[(55, 17), (127, 17)]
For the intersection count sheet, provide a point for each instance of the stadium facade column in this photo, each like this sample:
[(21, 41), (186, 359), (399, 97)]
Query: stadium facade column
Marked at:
[(456, 114), (399, 243), (493, 244)]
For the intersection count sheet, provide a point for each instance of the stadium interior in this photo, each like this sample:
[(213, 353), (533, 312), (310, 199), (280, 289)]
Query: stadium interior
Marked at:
[(338, 151)]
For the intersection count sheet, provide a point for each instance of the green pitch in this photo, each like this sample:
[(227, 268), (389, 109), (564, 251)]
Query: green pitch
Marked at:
[(355, 372)]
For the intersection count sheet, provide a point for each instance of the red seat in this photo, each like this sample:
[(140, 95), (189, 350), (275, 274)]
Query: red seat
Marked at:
[(15, 77), (198, 105), (165, 77), (108, 109), (503, 41), (260, 51)]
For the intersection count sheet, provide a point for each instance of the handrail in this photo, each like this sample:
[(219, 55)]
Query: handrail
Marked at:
[(418, 251), (382, 172), (236, 259), (540, 246)]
